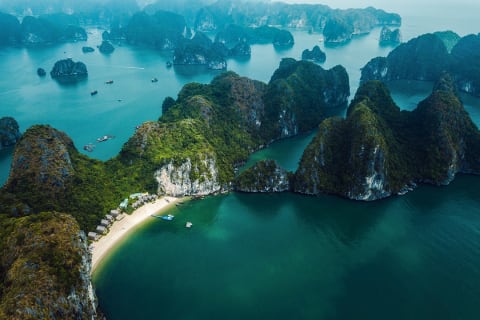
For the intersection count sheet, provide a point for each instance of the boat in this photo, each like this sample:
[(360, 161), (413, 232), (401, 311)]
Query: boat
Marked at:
[(89, 147), (94, 92), (169, 64), (105, 138), (188, 224), (154, 80), (109, 82), (168, 217)]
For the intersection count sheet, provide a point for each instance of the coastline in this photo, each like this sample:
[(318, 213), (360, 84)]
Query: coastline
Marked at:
[(120, 229)]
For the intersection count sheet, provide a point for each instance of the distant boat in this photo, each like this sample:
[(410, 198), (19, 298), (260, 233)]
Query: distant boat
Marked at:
[(188, 224), (94, 92), (169, 64), (109, 82), (89, 147), (168, 217), (154, 80), (105, 138)]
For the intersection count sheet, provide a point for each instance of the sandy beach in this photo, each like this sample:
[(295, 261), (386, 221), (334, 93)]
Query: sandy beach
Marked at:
[(120, 228)]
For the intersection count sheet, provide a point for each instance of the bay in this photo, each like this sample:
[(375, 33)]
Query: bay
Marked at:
[(280, 256)]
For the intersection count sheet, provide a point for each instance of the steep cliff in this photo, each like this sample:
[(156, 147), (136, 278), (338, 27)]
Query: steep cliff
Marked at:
[(300, 95), (422, 58), (379, 150), (264, 176), (49, 174), (45, 268), (9, 132), (233, 34)]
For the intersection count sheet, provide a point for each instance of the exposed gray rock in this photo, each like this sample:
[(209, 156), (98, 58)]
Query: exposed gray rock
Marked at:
[(176, 180), (264, 176)]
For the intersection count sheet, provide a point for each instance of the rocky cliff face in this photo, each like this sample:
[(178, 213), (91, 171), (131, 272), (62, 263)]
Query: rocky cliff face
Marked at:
[(264, 176), (187, 179), (9, 132), (41, 162), (378, 150), (45, 267), (67, 71)]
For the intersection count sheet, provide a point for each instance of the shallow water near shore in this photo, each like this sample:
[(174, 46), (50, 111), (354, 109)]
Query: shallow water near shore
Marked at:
[(287, 256)]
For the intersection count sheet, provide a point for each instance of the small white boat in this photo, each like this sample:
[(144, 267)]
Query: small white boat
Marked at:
[(188, 224)]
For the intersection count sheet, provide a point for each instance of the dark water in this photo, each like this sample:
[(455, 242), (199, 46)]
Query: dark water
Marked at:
[(286, 256)]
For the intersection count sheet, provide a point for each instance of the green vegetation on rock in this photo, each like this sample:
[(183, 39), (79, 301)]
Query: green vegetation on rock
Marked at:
[(379, 150), (45, 269)]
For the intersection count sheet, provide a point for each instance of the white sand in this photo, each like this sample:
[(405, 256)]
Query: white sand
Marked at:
[(120, 228)]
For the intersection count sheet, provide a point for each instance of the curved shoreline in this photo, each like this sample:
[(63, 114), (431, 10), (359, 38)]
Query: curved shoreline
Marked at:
[(120, 229)]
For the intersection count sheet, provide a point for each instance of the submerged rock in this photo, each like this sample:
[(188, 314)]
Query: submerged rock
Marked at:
[(87, 49), (41, 72)]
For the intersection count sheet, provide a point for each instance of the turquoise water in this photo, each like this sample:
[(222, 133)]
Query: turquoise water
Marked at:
[(280, 256), (286, 256)]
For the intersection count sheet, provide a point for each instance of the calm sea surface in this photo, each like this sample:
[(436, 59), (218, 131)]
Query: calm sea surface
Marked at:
[(279, 256)]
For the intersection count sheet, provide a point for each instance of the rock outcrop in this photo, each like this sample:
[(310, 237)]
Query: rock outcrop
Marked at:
[(87, 49), (300, 95), (200, 50), (233, 34), (68, 71), (106, 47), (41, 72), (316, 54), (264, 176), (185, 179), (378, 150), (9, 132), (45, 267), (390, 37)]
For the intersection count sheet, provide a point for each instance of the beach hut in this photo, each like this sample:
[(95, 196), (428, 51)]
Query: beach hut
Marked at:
[(109, 217), (105, 222), (101, 229), (114, 213), (93, 236)]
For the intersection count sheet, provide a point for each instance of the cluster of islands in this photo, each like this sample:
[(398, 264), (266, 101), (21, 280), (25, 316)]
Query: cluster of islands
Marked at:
[(55, 194)]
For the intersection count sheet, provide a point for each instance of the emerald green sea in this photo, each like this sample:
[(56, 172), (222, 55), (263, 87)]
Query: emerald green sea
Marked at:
[(273, 256), (287, 256)]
